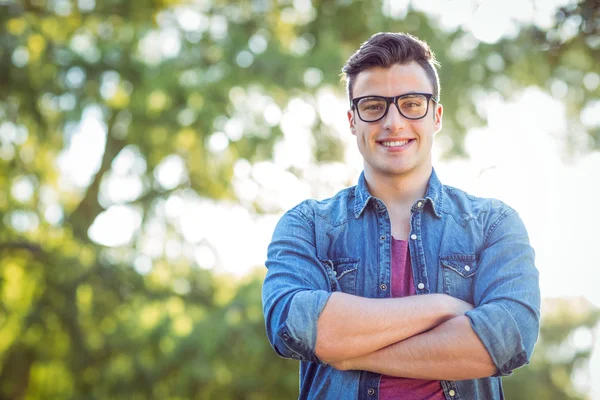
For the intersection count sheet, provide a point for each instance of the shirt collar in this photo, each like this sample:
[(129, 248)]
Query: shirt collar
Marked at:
[(361, 196), (434, 194)]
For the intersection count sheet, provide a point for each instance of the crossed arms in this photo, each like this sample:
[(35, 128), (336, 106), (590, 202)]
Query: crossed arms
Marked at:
[(432, 336), (425, 337)]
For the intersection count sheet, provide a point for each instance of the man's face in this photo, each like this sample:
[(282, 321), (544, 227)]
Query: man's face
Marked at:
[(394, 145)]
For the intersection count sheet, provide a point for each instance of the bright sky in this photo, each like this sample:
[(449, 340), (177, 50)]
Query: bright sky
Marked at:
[(517, 158)]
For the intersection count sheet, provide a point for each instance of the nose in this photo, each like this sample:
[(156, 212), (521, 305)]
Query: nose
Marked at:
[(394, 121)]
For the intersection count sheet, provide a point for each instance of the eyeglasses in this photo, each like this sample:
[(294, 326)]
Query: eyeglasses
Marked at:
[(410, 106)]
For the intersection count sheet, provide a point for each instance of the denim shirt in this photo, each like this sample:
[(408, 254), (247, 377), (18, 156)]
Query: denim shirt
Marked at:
[(470, 248)]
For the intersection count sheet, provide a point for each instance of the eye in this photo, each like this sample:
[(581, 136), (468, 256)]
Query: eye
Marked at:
[(411, 104), (372, 104)]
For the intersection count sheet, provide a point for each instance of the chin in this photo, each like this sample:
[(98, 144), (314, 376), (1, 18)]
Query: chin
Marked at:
[(397, 171)]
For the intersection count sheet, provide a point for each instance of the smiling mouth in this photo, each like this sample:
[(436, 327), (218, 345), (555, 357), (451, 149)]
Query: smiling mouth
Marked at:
[(396, 143)]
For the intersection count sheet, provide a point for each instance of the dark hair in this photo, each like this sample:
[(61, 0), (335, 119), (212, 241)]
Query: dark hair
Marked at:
[(385, 49)]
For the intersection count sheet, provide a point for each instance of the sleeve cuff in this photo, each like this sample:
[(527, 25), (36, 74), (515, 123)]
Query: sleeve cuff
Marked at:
[(499, 333), (299, 333)]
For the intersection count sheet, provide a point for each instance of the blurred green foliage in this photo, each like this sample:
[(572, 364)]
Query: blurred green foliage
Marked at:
[(164, 77), (563, 349)]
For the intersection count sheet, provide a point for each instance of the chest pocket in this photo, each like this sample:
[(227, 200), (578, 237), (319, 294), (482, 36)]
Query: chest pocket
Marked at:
[(342, 274), (459, 271)]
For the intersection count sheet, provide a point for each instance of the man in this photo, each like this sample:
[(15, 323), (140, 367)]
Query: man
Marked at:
[(400, 287)]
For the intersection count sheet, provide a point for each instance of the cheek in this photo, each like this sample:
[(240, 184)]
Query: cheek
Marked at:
[(361, 133), (425, 129)]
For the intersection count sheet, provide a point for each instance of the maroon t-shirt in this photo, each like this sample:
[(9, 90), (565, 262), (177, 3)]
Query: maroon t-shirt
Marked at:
[(403, 285)]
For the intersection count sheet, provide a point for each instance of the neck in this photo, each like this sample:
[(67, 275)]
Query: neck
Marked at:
[(403, 189)]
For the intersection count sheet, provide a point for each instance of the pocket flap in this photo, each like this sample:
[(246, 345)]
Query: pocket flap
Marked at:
[(343, 266), (463, 264)]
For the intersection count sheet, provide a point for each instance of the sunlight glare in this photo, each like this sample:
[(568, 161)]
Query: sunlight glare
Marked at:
[(126, 218), (295, 149), (22, 188), (205, 257), (82, 158), (171, 172)]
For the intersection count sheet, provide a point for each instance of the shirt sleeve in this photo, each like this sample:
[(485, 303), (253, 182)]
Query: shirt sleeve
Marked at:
[(295, 289), (507, 295)]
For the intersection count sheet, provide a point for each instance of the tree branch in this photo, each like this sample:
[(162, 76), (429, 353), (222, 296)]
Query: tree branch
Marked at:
[(31, 247), (88, 209)]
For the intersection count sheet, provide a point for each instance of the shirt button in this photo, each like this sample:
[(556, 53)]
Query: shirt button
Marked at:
[(371, 392), (383, 286), (334, 273), (421, 285), (467, 268), (451, 392), (413, 236), (382, 237), (419, 204)]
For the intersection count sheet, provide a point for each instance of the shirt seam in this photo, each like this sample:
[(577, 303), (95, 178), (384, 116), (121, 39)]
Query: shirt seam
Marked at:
[(509, 211), (304, 217)]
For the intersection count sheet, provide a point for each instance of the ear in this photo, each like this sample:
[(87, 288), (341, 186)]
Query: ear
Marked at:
[(352, 122), (437, 122)]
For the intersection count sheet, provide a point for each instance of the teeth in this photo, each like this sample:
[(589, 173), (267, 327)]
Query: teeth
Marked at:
[(396, 143)]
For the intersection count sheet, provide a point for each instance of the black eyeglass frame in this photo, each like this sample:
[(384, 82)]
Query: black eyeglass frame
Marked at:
[(393, 100)]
